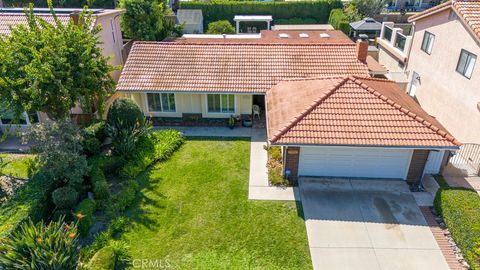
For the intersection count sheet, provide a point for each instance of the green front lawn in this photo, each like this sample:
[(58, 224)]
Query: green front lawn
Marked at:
[(193, 213)]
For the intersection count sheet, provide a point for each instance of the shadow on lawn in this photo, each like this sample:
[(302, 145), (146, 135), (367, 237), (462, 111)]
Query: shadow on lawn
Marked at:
[(137, 211)]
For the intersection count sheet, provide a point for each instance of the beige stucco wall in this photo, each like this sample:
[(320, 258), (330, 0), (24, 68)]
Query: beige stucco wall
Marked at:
[(194, 103), (443, 92), (111, 40), (390, 62)]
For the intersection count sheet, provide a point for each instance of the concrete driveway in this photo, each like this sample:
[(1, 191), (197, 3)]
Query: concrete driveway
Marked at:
[(366, 224)]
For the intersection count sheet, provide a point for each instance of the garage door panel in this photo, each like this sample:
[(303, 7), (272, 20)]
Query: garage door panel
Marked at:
[(354, 162)]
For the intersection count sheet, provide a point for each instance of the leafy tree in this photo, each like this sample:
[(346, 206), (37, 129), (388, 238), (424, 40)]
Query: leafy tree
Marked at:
[(58, 146), (147, 20), (370, 8), (220, 27), (50, 67)]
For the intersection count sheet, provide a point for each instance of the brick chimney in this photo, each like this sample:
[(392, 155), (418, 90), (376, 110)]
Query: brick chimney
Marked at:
[(75, 16), (362, 49)]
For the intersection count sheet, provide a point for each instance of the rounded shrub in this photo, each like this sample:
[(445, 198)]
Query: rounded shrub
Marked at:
[(220, 27), (65, 197), (124, 114), (104, 259), (92, 146)]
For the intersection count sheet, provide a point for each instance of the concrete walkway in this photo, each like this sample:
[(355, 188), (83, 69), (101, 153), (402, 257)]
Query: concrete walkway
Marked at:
[(13, 144), (367, 224), (426, 198), (258, 187)]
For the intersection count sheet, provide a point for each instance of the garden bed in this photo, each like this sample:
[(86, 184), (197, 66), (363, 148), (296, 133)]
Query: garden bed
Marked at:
[(275, 166)]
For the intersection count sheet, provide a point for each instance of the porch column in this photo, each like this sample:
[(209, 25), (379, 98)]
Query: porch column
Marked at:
[(268, 25), (237, 26)]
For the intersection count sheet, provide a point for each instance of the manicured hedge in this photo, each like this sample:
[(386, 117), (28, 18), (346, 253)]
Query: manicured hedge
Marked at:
[(339, 20), (460, 209), (84, 212), (226, 10), (158, 145), (30, 201), (99, 183)]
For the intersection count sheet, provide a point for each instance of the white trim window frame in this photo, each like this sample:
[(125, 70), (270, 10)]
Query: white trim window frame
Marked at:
[(161, 102), (466, 63), (226, 103), (427, 42)]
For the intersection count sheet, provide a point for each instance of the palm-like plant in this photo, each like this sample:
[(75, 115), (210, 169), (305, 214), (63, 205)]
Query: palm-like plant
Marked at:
[(39, 246)]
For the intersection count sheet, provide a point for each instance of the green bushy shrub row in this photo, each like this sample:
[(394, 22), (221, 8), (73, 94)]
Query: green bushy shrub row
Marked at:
[(99, 183), (158, 145), (30, 201), (106, 238), (226, 10), (296, 21), (123, 199), (339, 20), (84, 212), (460, 209)]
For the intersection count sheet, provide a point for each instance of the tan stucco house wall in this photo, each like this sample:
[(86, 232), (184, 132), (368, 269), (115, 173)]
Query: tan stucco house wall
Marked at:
[(444, 93), (193, 103)]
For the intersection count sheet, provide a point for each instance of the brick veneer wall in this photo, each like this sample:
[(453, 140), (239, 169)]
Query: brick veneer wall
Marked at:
[(291, 160), (417, 164)]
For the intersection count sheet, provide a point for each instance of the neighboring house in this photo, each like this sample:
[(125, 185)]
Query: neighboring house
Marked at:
[(270, 36), (410, 5), (353, 126), (217, 80), (110, 38), (191, 19), (367, 26), (393, 48), (444, 69), (302, 27)]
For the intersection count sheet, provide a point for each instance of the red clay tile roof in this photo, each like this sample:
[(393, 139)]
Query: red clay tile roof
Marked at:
[(269, 36), (233, 68), (11, 19), (351, 110), (467, 10)]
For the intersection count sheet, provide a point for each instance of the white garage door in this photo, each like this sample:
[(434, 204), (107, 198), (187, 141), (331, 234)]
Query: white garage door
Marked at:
[(354, 162)]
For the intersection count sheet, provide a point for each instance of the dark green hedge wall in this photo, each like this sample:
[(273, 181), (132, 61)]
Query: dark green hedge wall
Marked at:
[(314, 11)]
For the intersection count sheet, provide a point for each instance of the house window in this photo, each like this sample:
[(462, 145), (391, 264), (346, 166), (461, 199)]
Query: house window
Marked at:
[(164, 102), (427, 43), (221, 103), (466, 63)]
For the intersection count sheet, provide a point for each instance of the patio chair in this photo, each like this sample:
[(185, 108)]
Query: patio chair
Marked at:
[(256, 111)]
